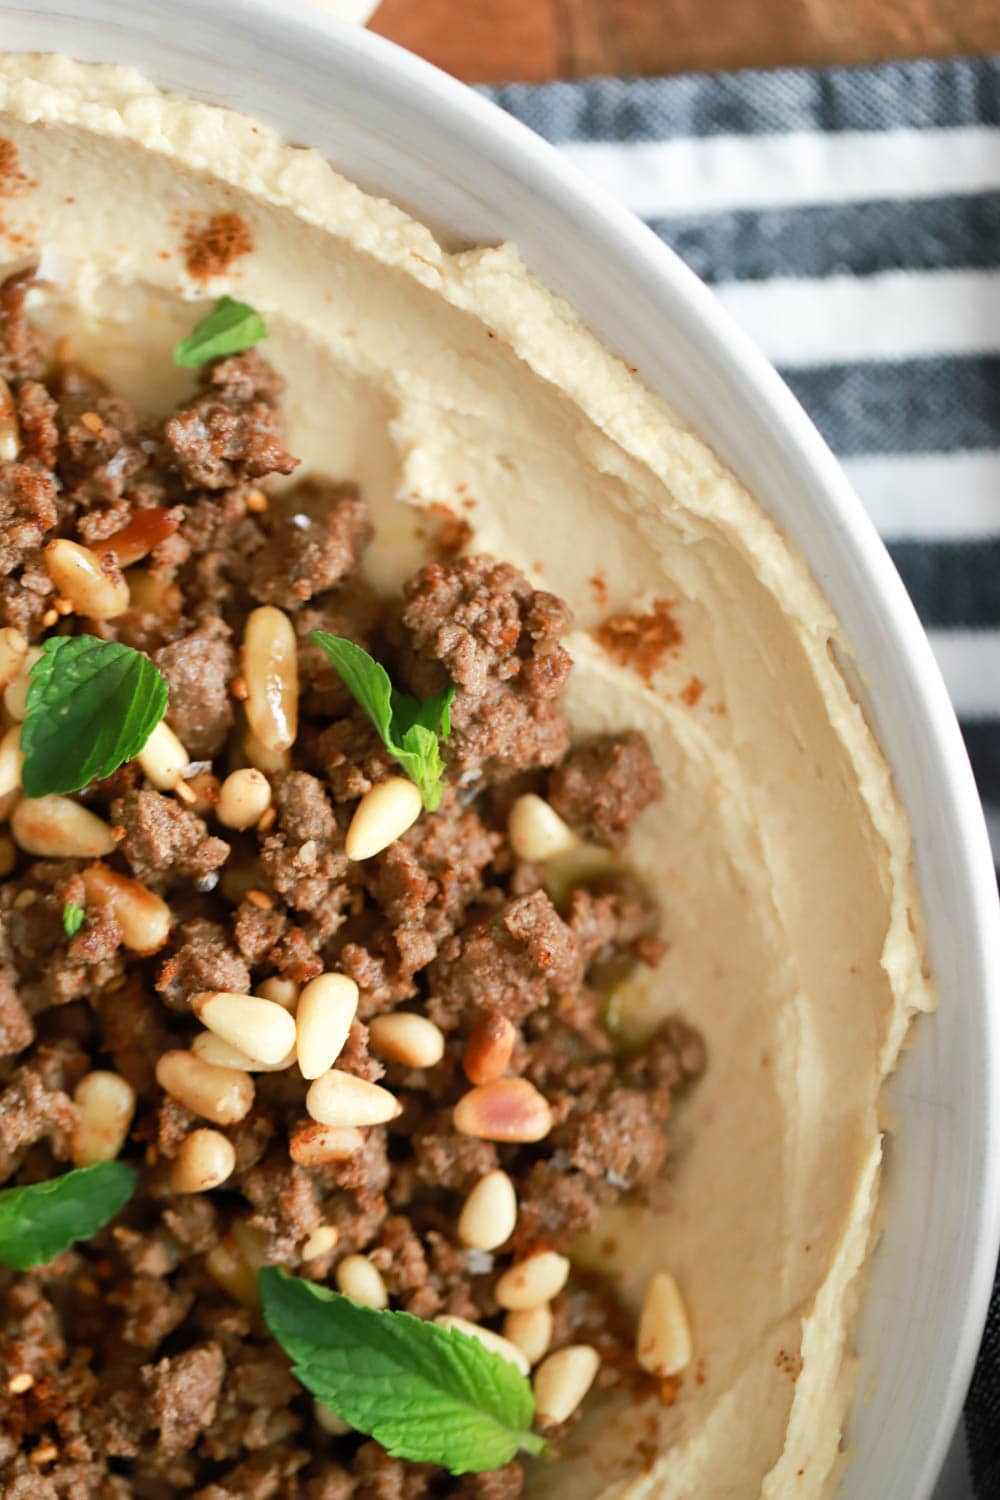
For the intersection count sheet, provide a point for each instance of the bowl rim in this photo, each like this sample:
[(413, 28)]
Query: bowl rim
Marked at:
[(517, 150)]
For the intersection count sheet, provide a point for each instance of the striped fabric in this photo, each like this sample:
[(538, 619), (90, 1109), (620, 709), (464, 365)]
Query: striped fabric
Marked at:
[(850, 220)]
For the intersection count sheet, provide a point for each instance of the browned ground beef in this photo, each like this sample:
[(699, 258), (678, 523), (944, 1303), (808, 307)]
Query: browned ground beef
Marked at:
[(149, 1377)]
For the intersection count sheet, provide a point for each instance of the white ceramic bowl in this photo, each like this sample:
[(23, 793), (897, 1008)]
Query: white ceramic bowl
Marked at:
[(407, 131)]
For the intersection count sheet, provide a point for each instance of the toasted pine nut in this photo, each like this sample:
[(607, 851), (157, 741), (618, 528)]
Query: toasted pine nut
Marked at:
[(204, 1159), (563, 1380), (252, 1242), (8, 855), (494, 1342), (488, 1050), (11, 760), (263, 759), (322, 1240), (382, 816), (531, 1330), (271, 669), (57, 828), (407, 1038), (510, 1109), (341, 1099), (489, 1214), (663, 1342), (229, 1269), (137, 538), (258, 1028), (212, 1049), (200, 790), (536, 831), (96, 588), (315, 1145), (532, 1282), (143, 917), (10, 431), (105, 1105), (328, 1421), (13, 651), (15, 694), (163, 758), (360, 1280), (282, 991), (327, 1006), (222, 1095), (244, 797), (152, 593)]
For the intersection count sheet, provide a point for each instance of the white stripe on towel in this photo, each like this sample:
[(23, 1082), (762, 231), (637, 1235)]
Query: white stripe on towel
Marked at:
[(930, 497), (970, 662), (892, 315), (659, 178)]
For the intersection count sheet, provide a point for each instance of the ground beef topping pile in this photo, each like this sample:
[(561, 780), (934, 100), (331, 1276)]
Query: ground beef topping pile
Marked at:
[(450, 994)]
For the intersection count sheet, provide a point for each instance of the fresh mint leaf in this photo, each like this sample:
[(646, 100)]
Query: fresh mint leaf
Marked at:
[(429, 1394), (39, 1222), (420, 757), (365, 679), (73, 918), (411, 732), (92, 705), (229, 328)]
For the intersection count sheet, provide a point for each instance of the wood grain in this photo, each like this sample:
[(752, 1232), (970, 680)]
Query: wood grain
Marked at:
[(489, 41)]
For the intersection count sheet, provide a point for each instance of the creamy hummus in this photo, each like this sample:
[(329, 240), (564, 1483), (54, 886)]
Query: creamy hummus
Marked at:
[(780, 853)]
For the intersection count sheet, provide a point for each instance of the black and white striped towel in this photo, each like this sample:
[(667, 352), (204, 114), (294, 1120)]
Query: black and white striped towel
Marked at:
[(849, 218)]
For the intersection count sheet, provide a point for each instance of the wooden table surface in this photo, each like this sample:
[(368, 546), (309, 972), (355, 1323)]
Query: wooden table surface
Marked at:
[(498, 40)]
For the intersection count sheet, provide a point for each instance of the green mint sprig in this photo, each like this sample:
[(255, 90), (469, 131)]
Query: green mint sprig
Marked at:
[(39, 1222), (92, 705), (229, 328), (73, 918), (411, 732), (426, 1393)]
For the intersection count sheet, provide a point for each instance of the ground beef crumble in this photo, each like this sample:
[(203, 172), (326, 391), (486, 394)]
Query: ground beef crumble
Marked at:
[(131, 1366)]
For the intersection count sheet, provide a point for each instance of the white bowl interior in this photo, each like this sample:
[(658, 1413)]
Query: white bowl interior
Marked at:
[(404, 130)]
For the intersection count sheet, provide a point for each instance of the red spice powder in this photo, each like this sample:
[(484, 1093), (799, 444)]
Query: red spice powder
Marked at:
[(641, 641), (691, 694), (8, 165), (452, 532), (12, 180), (211, 245)]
